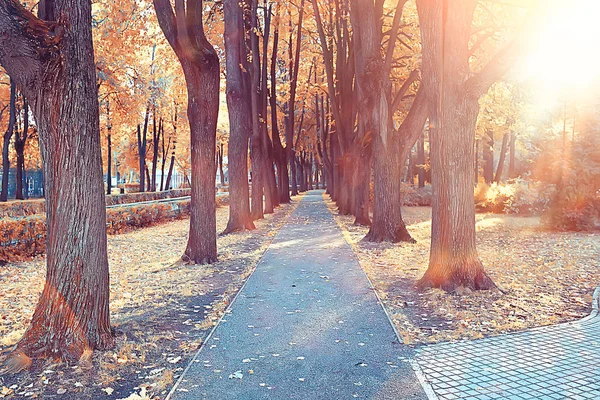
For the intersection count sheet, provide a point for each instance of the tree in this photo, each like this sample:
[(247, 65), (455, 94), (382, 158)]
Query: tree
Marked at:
[(142, 145), (21, 134), (454, 92), (52, 60), (377, 107), (294, 62), (7, 136), (238, 107), (184, 31)]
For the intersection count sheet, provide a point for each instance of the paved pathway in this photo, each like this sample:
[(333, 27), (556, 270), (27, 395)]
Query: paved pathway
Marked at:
[(307, 325), (556, 362)]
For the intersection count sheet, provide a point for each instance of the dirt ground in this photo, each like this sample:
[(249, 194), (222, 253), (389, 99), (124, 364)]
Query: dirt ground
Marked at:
[(161, 310), (547, 278)]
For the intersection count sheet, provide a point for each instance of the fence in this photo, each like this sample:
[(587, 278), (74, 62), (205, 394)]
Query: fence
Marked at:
[(33, 183)]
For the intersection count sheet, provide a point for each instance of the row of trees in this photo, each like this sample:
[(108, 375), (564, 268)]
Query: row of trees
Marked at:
[(366, 92)]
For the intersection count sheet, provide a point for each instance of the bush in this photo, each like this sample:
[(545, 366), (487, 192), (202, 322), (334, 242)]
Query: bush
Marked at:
[(22, 238), (576, 203), (15, 209), (22, 208), (25, 237), (517, 196), (413, 197)]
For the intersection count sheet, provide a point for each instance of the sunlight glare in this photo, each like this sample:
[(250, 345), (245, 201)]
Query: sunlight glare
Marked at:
[(565, 56)]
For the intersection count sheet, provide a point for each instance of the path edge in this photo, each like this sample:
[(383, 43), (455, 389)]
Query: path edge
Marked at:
[(227, 310), (427, 388)]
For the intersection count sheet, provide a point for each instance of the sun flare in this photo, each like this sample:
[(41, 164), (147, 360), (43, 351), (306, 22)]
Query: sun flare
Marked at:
[(564, 55)]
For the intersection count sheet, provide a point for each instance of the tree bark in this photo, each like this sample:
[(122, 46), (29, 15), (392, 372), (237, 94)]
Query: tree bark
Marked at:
[(421, 159), (51, 59), (172, 162), (488, 156), (20, 142), (376, 110), (257, 155), (239, 116), (156, 132), (163, 159), (294, 68), (512, 151), (200, 63), (7, 136), (109, 151), (503, 149), (278, 150), (142, 146), (454, 93), (476, 172)]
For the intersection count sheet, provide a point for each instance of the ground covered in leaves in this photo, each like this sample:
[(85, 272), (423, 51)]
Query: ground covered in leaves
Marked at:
[(547, 278), (160, 309)]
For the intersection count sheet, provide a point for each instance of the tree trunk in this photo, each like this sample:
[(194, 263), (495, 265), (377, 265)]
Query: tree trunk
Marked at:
[(421, 159), (362, 183), (503, 149), (410, 169), (200, 63), (72, 315), (142, 144), (372, 73), (488, 156), (278, 151), (20, 142), (511, 162), (476, 172), (454, 260), (445, 31), (270, 182), (163, 160), (239, 117), (256, 146), (155, 139), (172, 162), (7, 136), (109, 151), (294, 68)]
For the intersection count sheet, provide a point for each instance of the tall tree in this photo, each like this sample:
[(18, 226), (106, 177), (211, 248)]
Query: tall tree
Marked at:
[(52, 60), (200, 63), (279, 155), (454, 92), (377, 107), (294, 66), (257, 154), (239, 117)]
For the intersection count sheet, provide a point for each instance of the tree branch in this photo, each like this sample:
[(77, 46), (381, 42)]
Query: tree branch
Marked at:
[(403, 89), (479, 83), (26, 42), (394, 35), (413, 124), (166, 20)]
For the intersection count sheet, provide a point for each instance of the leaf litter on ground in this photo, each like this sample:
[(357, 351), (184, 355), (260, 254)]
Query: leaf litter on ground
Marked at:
[(160, 308), (547, 277)]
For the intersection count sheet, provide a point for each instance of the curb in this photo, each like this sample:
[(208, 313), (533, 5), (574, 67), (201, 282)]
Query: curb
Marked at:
[(429, 389)]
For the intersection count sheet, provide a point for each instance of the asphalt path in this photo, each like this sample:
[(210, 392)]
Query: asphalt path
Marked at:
[(306, 325)]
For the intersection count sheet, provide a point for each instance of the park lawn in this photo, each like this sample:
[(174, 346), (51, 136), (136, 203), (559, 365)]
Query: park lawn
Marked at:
[(161, 310), (547, 277)]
